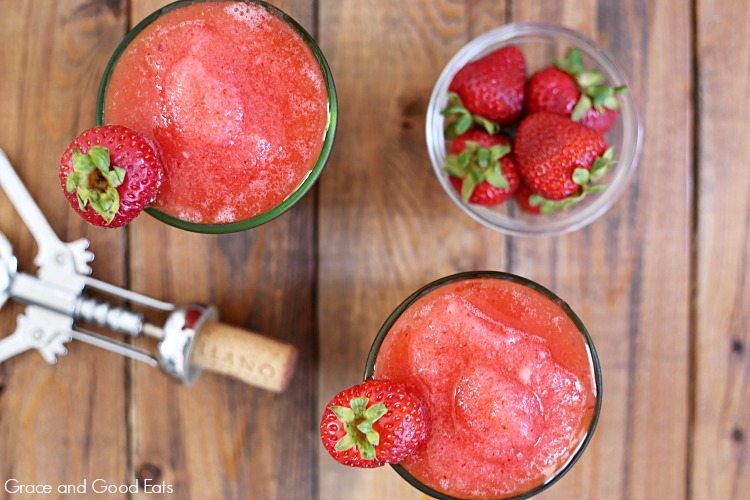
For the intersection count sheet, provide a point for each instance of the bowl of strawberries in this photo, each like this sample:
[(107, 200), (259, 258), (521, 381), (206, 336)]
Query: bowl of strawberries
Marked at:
[(532, 130)]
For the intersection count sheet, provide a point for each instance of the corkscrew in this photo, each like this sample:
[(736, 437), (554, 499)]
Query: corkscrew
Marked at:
[(63, 302)]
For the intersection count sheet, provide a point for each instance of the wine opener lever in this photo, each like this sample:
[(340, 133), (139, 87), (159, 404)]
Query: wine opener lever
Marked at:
[(59, 305)]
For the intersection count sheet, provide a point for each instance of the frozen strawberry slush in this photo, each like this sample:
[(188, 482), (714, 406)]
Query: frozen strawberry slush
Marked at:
[(234, 99), (508, 380)]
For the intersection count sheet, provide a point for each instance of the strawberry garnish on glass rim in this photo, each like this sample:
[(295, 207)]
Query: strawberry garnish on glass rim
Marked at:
[(110, 174), (372, 424), (595, 93)]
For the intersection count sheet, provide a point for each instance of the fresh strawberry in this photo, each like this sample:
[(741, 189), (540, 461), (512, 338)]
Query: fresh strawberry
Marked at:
[(109, 174), (555, 155), (601, 121), (522, 198), (569, 89), (491, 88), (481, 168), (551, 90), (372, 424)]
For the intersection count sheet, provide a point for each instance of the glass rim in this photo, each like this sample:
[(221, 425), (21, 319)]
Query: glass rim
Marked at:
[(469, 275), (628, 158), (326, 148)]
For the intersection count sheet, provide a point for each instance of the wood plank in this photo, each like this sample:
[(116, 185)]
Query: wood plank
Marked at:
[(386, 227), (627, 275), (720, 465), (63, 423), (220, 439), (375, 272)]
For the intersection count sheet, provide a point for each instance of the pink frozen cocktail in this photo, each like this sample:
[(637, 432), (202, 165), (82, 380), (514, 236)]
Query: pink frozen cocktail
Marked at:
[(237, 99), (509, 377)]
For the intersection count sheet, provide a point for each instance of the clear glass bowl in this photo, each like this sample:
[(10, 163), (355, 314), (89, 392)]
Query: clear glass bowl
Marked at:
[(325, 151), (541, 44), (469, 275)]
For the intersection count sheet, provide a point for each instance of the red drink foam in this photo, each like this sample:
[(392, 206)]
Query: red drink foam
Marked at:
[(508, 381), (236, 102)]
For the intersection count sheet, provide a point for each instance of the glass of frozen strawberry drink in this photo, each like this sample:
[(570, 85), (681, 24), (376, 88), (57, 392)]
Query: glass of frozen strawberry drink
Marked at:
[(528, 175), (510, 379), (239, 101)]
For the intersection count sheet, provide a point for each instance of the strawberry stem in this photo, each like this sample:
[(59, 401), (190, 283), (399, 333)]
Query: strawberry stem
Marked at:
[(595, 93), (476, 164), (358, 421), (463, 119), (95, 183)]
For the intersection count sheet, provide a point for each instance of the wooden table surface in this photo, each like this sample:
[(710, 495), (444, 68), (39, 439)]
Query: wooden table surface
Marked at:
[(662, 280)]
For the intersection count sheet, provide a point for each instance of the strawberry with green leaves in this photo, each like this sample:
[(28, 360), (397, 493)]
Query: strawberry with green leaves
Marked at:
[(372, 424), (569, 89), (109, 175), (462, 120), (482, 169), (488, 92), (587, 179), (560, 160)]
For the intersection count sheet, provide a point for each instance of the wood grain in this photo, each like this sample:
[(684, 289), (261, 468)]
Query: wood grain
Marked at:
[(721, 452), (67, 422), (620, 290), (221, 439), (386, 227), (627, 275), (564, 265), (379, 227)]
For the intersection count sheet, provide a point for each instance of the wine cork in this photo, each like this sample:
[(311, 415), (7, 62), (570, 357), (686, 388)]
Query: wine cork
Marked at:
[(254, 359)]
